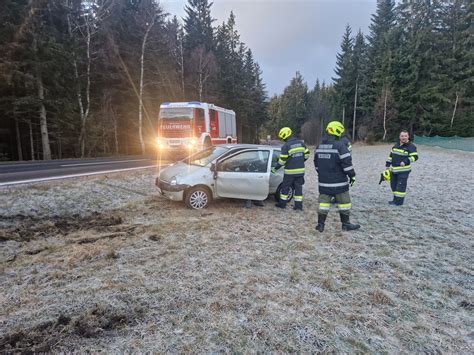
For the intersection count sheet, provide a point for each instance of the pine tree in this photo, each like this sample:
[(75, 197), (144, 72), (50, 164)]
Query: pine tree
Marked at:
[(344, 80), (358, 66), (416, 92), (456, 69), (378, 45), (295, 104), (198, 25), (199, 48)]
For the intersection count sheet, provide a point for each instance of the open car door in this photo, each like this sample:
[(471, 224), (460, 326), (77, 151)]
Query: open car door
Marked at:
[(244, 175)]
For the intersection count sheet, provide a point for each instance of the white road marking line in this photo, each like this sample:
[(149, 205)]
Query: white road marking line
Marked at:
[(104, 162), (3, 184)]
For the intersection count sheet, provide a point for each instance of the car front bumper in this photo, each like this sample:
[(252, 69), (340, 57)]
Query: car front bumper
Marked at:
[(172, 192)]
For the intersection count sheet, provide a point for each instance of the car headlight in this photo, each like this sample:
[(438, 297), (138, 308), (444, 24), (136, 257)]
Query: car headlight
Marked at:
[(173, 181)]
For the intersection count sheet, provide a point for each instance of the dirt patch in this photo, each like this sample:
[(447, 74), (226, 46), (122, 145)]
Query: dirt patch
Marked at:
[(92, 322), (27, 228)]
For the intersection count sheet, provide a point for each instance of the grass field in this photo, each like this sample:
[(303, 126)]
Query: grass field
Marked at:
[(145, 274)]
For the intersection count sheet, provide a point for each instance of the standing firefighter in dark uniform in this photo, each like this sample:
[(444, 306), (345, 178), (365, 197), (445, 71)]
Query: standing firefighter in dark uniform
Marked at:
[(399, 161), (293, 155), (333, 162)]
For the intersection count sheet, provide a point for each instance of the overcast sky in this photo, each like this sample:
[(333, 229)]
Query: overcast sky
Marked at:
[(290, 35)]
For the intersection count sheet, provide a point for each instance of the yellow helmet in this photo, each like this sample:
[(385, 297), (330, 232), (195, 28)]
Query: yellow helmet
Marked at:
[(284, 133), (335, 128), (387, 174)]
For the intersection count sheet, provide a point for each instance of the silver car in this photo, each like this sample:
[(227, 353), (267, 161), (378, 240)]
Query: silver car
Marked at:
[(241, 171)]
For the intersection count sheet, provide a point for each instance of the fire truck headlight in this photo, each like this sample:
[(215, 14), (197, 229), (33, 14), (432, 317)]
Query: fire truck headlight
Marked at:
[(160, 143), (192, 143)]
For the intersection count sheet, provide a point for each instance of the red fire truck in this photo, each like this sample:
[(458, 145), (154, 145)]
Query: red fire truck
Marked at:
[(193, 125)]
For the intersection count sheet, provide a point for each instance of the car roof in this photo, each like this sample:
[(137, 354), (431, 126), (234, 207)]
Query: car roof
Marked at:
[(248, 146)]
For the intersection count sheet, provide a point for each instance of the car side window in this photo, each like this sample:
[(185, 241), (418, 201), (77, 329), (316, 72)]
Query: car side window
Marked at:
[(275, 157), (255, 161)]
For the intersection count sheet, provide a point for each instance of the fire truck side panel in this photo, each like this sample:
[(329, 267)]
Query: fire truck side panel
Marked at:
[(214, 123), (199, 121)]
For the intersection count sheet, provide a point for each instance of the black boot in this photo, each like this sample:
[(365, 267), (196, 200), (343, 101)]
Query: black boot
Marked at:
[(346, 224), (321, 221), (280, 204), (298, 206), (398, 200)]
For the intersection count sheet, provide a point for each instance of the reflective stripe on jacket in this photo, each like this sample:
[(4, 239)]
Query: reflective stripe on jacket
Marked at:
[(405, 153), (293, 155)]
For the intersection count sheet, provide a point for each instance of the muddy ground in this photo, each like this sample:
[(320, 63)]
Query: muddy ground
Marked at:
[(105, 264)]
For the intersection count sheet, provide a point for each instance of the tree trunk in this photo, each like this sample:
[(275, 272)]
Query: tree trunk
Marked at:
[(18, 137), (355, 112), (42, 108), (385, 115), (200, 85), (343, 114), (116, 137), (60, 146), (454, 111), (32, 146), (140, 98), (182, 68), (83, 111), (115, 124)]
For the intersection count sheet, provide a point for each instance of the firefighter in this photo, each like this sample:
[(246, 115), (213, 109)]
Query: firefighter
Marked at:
[(399, 161), (293, 155), (333, 163)]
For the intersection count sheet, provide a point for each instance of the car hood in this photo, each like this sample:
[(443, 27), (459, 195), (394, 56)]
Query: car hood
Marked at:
[(178, 169)]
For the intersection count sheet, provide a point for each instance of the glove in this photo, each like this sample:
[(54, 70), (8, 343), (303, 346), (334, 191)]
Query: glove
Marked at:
[(274, 171), (352, 181)]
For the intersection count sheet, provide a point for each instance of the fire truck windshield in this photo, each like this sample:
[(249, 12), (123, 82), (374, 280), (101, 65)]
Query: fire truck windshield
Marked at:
[(176, 113)]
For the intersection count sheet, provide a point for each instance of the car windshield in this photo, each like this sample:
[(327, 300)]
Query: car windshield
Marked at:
[(176, 112), (204, 157)]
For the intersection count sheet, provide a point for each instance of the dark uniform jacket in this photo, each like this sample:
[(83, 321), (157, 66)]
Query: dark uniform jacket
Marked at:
[(402, 153), (333, 162), (293, 155), (347, 142)]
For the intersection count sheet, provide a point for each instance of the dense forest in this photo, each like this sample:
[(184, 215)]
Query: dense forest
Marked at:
[(414, 71), (85, 78)]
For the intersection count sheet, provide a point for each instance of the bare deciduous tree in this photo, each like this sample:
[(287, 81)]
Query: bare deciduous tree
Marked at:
[(148, 27), (204, 67), (84, 24)]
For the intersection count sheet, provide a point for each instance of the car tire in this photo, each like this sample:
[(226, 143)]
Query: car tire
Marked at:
[(277, 193), (198, 197)]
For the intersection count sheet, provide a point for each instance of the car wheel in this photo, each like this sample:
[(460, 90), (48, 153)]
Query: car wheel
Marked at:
[(290, 193), (198, 197)]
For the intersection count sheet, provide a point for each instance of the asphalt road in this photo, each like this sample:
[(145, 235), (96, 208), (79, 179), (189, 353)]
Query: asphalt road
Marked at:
[(37, 171)]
